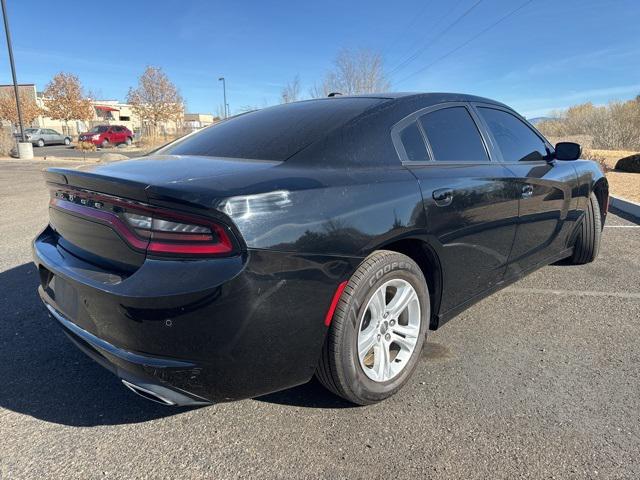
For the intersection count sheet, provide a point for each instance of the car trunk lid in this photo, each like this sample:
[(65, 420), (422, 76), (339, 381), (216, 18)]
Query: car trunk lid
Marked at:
[(88, 205)]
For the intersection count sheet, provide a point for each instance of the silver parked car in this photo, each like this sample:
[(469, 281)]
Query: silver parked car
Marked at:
[(44, 136)]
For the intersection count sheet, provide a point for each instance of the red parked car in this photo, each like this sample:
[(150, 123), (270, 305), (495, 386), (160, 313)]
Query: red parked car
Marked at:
[(105, 135)]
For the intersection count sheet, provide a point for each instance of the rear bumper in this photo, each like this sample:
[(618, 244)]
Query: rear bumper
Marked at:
[(197, 331), (131, 367)]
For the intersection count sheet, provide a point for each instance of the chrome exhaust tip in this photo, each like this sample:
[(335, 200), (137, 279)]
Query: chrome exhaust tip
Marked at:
[(148, 394)]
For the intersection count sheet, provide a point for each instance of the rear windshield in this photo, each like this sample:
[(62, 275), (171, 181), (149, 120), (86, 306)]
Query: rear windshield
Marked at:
[(275, 133)]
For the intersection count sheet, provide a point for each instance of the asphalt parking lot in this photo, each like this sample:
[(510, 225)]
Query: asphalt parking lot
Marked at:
[(541, 380)]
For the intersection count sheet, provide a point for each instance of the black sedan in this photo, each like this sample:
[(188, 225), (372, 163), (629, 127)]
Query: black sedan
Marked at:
[(319, 237)]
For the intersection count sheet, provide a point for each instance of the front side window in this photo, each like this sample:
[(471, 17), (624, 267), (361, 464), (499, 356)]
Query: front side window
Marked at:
[(517, 142), (413, 143), (453, 136)]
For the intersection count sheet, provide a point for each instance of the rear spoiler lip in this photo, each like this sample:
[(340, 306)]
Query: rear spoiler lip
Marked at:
[(98, 183)]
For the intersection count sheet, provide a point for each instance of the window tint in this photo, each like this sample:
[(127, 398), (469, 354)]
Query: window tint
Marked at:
[(274, 133), (453, 136), (516, 140), (413, 143)]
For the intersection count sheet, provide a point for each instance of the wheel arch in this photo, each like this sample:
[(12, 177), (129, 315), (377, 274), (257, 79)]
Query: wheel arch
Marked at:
[(601, 191), (427, 259)]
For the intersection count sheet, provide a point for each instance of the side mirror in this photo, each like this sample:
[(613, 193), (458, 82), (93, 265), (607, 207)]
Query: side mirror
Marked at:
[(568, 151)]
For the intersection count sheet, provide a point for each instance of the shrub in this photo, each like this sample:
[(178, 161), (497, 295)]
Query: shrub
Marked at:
[(615, 126), (86, 146), (629, 164), (596, 157)]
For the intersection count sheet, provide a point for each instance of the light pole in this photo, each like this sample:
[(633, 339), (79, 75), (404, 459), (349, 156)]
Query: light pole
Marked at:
[(224, 93), (13, 66)]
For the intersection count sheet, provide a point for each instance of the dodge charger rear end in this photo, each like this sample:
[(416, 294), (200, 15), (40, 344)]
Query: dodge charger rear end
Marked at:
[(321, 237)]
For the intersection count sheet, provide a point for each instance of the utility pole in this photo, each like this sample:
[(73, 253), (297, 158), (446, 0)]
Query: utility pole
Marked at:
[(13, 66), (224, 92)]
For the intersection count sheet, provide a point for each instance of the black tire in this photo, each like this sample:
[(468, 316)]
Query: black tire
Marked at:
[(40, 143), (128, 141), (339, 369), (67, 141), (105, 143), (587, 245)]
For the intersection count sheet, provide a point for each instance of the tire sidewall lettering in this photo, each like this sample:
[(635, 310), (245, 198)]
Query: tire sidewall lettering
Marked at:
[(380, 272)]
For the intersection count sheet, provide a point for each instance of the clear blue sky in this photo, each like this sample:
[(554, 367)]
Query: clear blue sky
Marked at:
[(548, 55)]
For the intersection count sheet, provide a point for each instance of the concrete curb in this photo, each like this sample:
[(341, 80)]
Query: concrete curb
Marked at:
[(626, 206)]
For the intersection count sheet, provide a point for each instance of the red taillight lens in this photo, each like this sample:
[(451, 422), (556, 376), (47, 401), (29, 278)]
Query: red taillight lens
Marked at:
[(170, 236), (145, 227)]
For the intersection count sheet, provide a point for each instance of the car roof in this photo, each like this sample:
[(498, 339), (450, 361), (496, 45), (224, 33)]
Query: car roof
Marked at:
[(435, 97)]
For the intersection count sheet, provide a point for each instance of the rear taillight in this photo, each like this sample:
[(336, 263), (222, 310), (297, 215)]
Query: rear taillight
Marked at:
[(144, 227), (168, 235)]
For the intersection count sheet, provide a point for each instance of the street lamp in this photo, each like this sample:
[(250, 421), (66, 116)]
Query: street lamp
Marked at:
[(224, 92), (13, 66)]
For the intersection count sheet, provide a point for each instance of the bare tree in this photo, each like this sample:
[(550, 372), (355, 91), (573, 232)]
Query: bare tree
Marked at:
[(354, 71), (291, 91), (64, 99), (156, 99)]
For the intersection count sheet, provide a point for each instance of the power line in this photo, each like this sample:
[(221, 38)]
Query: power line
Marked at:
[(407, 28), (417, 53), (464, 44)]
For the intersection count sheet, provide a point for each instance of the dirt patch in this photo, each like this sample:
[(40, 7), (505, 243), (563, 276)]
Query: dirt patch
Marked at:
[(625, 185), (621, 184)]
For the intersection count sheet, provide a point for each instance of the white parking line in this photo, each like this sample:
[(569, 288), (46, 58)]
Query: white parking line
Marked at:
[(622, 226), (584, 293)]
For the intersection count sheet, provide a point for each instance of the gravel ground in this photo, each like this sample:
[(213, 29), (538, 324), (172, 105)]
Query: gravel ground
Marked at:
[(541, 380)]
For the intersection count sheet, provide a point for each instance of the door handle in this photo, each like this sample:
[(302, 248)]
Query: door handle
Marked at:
[(443, 197), (527, 191)]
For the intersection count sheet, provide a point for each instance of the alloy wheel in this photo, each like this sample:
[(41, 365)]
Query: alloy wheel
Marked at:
[(388, 330)]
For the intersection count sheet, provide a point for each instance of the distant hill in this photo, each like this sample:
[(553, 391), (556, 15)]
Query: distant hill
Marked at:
[(535, 120)]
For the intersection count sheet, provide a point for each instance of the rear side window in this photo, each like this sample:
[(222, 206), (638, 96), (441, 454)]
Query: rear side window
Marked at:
[(274, 133), (413, 143), (516, 140), (453, 136)]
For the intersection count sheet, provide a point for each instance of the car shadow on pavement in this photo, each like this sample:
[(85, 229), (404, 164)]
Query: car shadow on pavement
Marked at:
[(43, 375), (310, 395)]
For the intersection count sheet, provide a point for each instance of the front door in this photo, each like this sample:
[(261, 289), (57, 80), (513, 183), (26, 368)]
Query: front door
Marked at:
[(547, 210), (470, 204)]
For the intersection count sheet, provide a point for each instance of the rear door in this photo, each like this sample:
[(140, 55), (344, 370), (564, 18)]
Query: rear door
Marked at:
[(55, 137), (49, 136), (547, 212), (120, 134), (469, 201)]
